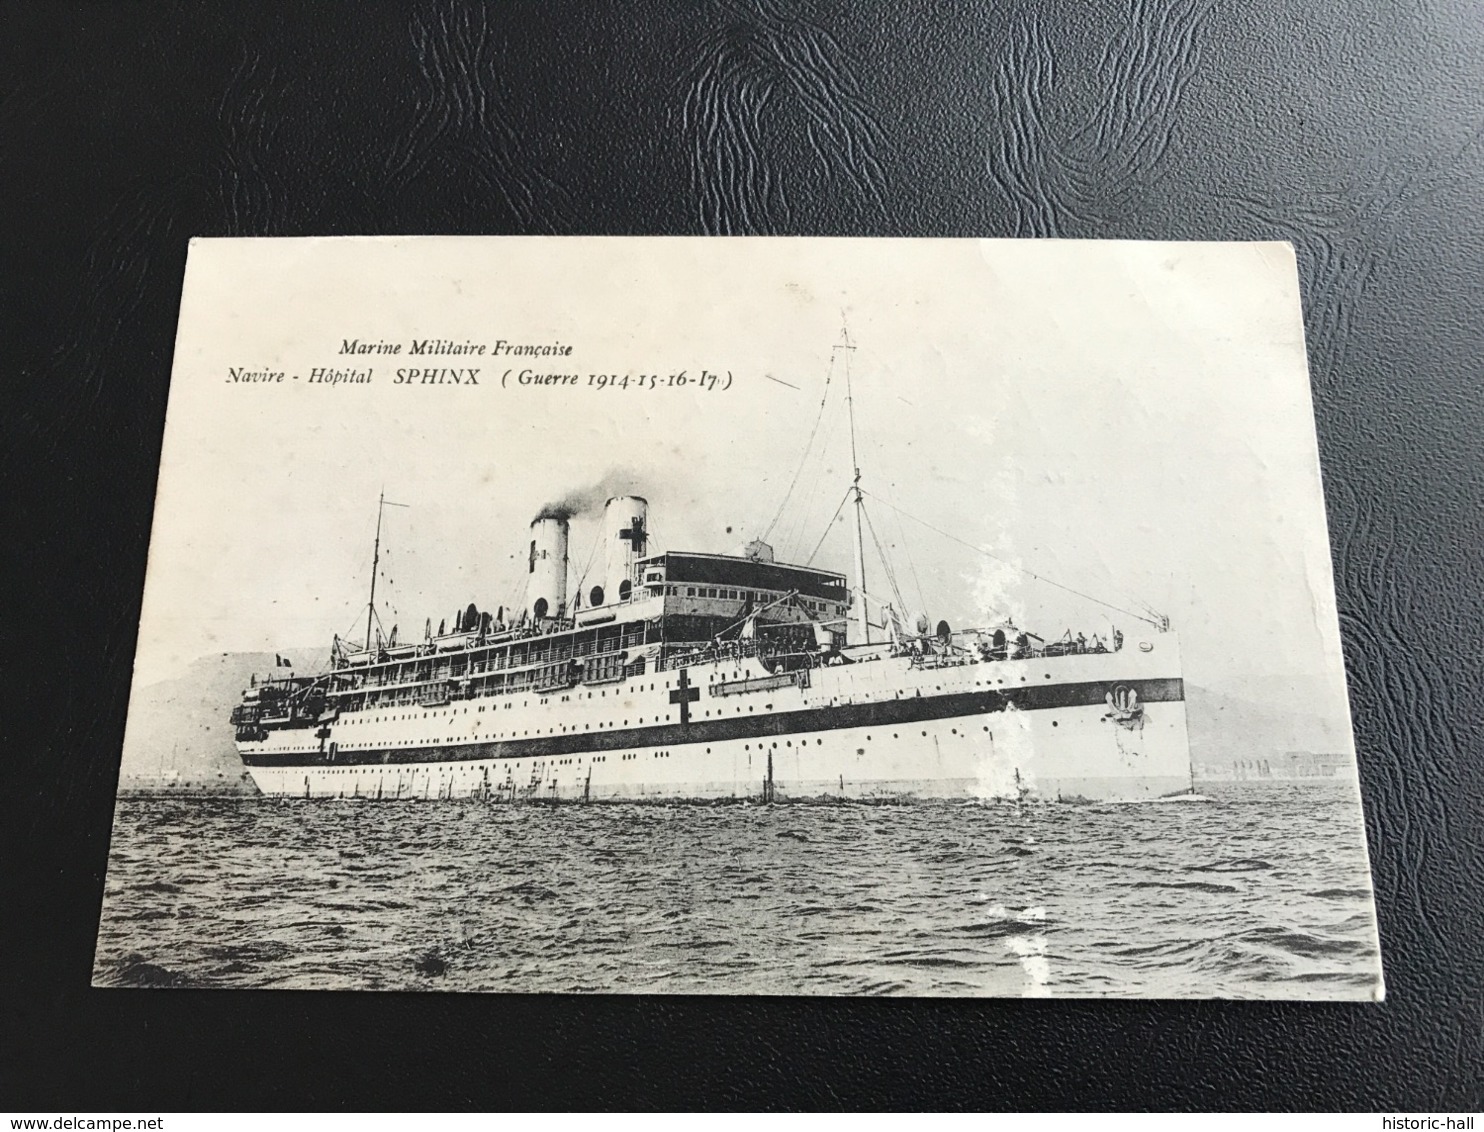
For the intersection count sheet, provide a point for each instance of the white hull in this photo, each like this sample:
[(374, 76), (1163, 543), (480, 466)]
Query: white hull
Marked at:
[(1037, 728)]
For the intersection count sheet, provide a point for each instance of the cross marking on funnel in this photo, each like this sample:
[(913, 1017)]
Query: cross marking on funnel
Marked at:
[(684, 695), (634, 534)]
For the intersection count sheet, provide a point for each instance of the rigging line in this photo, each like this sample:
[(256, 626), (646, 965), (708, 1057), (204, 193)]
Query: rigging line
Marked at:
[(911, 562), (1014, 566), (891, 575), (829, 376), (756, 612), (818, 479), (510, 592), (828, 527), (591, 554), (906, 547), (513, 603), (515, 592), (356, 624), (1147, 608), (850, 407), (888, 568), (811, 455)]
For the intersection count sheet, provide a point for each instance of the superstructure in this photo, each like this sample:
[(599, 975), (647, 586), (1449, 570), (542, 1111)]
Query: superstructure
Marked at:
[(700, 676)]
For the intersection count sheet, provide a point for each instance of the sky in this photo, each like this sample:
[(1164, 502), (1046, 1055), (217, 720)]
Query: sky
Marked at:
[(1132, 420)]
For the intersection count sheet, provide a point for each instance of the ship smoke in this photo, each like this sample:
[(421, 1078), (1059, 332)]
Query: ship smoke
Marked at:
[(619, 481)]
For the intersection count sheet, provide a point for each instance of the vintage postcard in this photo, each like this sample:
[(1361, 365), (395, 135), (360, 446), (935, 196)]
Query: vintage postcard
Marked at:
[(781, 616)]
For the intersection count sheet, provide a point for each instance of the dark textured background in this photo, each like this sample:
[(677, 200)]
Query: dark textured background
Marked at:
[(1352, 129)]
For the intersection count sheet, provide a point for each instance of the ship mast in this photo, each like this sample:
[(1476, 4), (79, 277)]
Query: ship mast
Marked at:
[(863, 617), (375, 561), (381, 505)]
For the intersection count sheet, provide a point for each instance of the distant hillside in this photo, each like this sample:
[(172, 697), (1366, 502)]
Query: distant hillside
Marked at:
[(1226, 727), (179, 729)]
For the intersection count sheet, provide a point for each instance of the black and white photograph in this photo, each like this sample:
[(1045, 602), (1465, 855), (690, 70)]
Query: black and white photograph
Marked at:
[(781, 616)]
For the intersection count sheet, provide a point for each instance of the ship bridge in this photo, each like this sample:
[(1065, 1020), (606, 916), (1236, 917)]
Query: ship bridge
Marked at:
[(681, 573), (702, 596)]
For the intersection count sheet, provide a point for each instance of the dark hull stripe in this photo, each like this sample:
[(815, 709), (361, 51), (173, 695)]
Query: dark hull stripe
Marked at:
[(882, 713)]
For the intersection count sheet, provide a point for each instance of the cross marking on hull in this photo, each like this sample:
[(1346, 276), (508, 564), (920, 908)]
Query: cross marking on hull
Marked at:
[(684, 695)]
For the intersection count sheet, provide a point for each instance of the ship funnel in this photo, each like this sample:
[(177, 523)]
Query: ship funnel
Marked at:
[(546, 579), (626, 536)]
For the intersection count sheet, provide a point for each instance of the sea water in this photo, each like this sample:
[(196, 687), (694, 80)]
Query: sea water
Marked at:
[(1262, 891)]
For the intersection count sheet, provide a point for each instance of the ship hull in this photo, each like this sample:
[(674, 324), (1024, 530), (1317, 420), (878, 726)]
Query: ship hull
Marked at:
[(1092, 727)]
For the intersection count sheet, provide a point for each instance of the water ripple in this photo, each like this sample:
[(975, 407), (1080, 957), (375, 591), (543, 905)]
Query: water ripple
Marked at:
[(1264, 894)]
